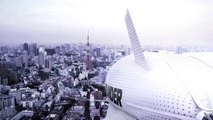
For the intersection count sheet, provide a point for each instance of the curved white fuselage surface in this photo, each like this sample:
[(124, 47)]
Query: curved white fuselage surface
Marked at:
[(176, 86)]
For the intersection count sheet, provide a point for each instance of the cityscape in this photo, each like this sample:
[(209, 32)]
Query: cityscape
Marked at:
[(56, 83), (93, 60), (64, 82)]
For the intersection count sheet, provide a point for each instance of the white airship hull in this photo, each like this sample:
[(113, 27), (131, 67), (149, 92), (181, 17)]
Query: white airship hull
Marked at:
[(161, 85), (155, 94)]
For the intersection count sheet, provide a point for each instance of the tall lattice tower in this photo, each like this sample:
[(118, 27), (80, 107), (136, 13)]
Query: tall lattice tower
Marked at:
[(88, 56)]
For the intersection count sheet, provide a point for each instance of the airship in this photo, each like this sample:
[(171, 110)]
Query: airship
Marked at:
[(160, 85)]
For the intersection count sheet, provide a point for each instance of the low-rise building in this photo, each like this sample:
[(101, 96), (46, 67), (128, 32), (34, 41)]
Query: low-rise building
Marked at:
[(7, 107), (22, 114)]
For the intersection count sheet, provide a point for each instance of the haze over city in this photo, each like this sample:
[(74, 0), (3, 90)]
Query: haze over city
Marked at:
[(106, 60), (165, 22)]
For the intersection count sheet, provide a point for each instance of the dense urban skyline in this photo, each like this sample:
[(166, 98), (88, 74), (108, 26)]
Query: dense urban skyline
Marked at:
[(157, 22), (60, 83)]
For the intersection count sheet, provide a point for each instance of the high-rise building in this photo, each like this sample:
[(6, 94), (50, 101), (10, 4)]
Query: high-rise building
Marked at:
[(12, 77), (50, 51), (80, 48), (35, 51), (25, 47), (32, 49), (48, 64), (31, 53), (63, 50), (41, 56), (57, 50), (25, 58), (3, 70)]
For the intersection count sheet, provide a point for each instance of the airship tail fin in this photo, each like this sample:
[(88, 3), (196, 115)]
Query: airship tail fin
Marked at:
[(136, 47)]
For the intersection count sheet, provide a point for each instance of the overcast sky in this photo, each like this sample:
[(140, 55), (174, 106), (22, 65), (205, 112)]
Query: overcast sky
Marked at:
[(157, 22)]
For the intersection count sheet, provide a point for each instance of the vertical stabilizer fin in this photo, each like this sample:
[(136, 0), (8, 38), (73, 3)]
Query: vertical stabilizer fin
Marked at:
[(136, 47)]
